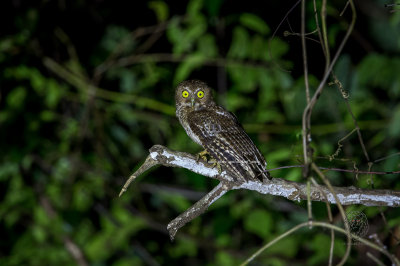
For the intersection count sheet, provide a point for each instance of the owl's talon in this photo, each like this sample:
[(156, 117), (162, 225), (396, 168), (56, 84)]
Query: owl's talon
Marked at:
[(219, 168), (215, 163), (202, 155)]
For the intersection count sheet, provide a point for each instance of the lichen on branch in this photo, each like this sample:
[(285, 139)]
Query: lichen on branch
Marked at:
[(160, 155)]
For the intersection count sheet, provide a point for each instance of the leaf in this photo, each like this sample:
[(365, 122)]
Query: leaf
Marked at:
[(178, 202), (254, 22), (259, 222), (128, 81), (224, 258), (183, 39), (54, 93), (193, 8), (16, 97), (161, 10), (207, 46), (240, 43), (114, 36), (196, 29), (270, 115), (248, 84), (279, 155), (286, 247), (258, 46), (240, 208), (184, 69), (223, 240), (236, 101), (174, 31), (8, 169), (129, 261), (320, 245), (278, 49), (183, 247), (39, 233), (48, 116)]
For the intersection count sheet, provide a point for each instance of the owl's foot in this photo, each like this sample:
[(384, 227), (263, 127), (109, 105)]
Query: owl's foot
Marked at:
[(202, 155), (215, 163)]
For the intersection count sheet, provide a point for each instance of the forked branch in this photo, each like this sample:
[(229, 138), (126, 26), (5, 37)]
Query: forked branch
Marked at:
[(160, 155)]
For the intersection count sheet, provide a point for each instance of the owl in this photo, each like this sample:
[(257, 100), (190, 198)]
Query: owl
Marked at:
[(218, 132)]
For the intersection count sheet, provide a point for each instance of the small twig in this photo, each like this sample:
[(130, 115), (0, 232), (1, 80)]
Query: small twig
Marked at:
[(291, 33), (324, 35), (393, 7), (149, 163), (75, 251), (394, 260), (153, 30), (344, 9), (387, 157), (328, 209), (276, 30), (197, 209), (82, 84), (375, 259), (306, 121), (388, 227), (309, 205), (337, 170), (147, 258), (340, 145), (318, 28), (346, 100), (304, 49), (341, 210)]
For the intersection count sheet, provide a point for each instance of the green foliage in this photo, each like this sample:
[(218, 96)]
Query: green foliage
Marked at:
[(259, 222), (224, 258), (161, 9), (183, 247), (320, 245), (179, 203), (254, 22)]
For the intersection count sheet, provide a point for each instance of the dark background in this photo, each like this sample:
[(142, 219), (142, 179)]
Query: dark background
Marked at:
[(87, 87)]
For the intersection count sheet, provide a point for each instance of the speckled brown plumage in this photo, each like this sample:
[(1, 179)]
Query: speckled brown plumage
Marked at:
[(218, 131)]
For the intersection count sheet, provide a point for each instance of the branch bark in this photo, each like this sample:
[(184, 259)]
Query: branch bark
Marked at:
[(160, 155)]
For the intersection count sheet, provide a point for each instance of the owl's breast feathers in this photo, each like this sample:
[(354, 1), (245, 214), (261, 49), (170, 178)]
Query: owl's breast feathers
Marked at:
[(225, 140)]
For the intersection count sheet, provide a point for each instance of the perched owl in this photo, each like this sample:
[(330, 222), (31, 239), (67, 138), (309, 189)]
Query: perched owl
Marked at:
[(218, 132)]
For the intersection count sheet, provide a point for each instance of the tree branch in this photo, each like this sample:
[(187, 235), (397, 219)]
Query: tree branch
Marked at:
[(198, 208), (160, 155)]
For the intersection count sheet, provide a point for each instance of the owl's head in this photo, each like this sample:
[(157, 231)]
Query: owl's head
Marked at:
[(194, 94)]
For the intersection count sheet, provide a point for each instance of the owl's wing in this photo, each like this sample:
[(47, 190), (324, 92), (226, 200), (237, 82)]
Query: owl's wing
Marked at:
[(226, 141)]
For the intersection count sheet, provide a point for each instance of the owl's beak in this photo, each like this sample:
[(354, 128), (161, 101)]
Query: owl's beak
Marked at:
[(192, 101)]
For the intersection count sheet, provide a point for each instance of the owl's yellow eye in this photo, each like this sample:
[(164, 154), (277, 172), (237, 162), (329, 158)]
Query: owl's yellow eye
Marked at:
[(200, 94), (185, 94)]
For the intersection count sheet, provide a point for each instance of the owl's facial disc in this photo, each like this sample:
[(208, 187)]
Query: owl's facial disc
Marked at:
[(193, 94)]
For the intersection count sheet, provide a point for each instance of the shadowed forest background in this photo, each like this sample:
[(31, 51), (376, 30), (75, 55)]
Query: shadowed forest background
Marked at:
[(87, 87)]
